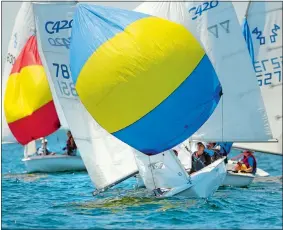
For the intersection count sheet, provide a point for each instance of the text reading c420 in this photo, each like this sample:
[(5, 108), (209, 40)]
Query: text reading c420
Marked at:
[(204, 6), (55, 27)]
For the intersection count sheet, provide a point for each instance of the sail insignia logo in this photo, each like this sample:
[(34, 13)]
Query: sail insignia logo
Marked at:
[(272, 36), (15, 40)]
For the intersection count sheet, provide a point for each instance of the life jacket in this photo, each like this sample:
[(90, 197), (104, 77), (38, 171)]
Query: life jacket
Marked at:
[(199, 162), (246, 162), (69, 144)]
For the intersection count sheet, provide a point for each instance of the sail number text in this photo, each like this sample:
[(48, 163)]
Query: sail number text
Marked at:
[(268, 78), (67, 88), (65, 42), (204, 6), (54, 27), (272, 36), (11, 58)]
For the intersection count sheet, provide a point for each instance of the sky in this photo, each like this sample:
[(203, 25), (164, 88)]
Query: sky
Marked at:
[(11, 8)]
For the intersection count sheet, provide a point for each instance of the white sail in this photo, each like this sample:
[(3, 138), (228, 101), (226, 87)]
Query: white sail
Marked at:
[(24, 27), (163, 170), (219, 32), (107, 159), (240, 115), (265, 24), (30, 149)]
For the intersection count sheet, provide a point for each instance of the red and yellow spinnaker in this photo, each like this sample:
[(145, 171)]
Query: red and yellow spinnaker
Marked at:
[(29, 108)]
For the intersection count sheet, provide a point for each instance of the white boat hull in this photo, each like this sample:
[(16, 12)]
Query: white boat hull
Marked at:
[(55, 163), (203, 183), (139, 183), (231, 179), (238, 179)]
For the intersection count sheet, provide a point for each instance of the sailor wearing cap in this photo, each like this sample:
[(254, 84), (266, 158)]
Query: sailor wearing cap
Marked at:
[(247, 164), (43, 150), (200, 158)]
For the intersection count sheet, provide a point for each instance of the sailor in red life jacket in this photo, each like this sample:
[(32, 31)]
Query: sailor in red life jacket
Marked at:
[(71, 146), (247, 163)]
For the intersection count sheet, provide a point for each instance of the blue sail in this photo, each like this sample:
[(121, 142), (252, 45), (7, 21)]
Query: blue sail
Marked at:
[(225, 147)]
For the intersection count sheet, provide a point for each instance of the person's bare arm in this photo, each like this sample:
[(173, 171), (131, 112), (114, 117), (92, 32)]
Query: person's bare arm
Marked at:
[(237, 157)]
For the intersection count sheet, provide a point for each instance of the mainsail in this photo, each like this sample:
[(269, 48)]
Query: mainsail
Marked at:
[(154, 85), (263, 33), (107, 159), (28, 104), (241, 114)]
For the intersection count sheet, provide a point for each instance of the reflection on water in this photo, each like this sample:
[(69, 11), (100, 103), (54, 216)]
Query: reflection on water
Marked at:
[(25, 177)]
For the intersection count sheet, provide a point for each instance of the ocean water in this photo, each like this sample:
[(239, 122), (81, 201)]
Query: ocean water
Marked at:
[(64, 200)]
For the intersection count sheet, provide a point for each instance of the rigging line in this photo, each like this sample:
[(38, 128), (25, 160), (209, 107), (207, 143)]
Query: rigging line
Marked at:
[(222, 120), (150, 166), (247, 10)]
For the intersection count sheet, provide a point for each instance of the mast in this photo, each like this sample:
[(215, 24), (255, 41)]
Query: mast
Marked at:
[(247, 10)]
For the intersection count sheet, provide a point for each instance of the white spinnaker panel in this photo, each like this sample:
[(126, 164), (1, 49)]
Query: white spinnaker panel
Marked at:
[(107, 159), (240, 114), (23, 29), (171, 10), (265, 24), (161, 171)]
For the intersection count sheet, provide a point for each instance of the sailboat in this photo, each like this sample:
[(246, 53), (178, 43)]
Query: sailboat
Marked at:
[(262, 27), (29, 111), (214, 29), (58, 43), (51, 163), (235, 179), (145, 57), (108, 160), (167, 175), (185, 151)]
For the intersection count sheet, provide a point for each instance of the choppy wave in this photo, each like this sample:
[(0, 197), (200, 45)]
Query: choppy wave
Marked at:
[(64, 200)]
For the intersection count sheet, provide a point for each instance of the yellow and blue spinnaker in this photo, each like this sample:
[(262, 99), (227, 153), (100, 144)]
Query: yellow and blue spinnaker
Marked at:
[(144, 79)]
